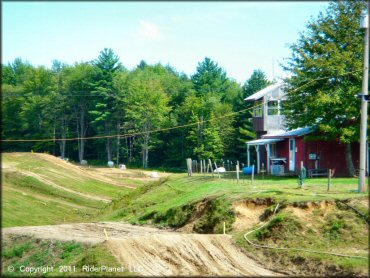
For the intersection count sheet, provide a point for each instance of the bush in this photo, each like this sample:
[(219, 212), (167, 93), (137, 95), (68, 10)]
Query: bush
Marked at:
[(212, 221), (280, 227)]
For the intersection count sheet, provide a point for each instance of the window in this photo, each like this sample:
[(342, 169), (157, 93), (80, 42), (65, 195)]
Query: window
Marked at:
[(273, 107), (273, 150), (258, 109), (281, 107)]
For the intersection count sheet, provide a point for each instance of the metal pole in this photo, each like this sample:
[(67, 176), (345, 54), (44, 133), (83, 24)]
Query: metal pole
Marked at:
[(365, 89)]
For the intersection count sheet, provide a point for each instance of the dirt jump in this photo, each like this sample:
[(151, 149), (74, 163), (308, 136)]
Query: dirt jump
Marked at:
[(156, 252)]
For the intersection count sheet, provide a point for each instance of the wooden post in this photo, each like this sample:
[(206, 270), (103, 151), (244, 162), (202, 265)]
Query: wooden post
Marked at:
[(196, 166), (237, 171), (248, 156), (217, 170), (301, 174), (267, 146), (204, 167), (210, 164), (252, 173), (201, 166), (258, 158), (224, 228), (189, 165), (329, 179)]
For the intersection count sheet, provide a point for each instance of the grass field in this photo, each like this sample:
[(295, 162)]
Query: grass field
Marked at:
[(179, 189), (39, 189), (338, 231), (67, 258)]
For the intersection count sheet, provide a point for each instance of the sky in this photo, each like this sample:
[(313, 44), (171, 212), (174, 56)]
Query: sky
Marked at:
[(240, 36)]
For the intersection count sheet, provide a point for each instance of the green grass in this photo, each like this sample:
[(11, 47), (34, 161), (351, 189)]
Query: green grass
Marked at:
[(25, 210), (179, 189), (26, 251), (337, 231), (27, 200), (61, 176), (172, 201)]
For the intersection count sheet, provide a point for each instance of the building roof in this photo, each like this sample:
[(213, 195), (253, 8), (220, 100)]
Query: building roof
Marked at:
[(263, 141), (291, 133), (263, 92)]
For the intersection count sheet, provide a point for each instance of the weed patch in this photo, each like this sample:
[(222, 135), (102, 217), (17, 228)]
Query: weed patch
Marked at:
[(219, 211)]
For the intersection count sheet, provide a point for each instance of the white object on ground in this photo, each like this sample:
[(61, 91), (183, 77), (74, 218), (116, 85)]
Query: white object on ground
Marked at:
[(154, 175), (83, 162), (122, 166), (220, 170), (110, 164)]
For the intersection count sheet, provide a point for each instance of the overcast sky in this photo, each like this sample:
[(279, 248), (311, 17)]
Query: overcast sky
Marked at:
[(239, 36)]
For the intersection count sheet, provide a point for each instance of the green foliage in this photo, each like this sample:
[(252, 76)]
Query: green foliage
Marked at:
[(281, 226), (31, 252), (18, 250), (218, 212), (302, 176), (255, 83), (174, 217), (331, 53)]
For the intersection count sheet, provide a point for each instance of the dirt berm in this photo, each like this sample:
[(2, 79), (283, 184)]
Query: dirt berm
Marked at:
[(155, 252)]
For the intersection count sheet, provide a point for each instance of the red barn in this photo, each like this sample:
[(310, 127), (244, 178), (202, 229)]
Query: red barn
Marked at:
[(282, 152)]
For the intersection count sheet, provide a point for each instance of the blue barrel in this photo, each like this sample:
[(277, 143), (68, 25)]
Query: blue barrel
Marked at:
[(248, 170)]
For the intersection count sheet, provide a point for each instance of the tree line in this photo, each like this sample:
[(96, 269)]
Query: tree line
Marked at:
[(102, 97)]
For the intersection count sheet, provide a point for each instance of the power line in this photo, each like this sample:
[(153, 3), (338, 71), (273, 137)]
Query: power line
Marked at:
[(169, 128), (130, 134)]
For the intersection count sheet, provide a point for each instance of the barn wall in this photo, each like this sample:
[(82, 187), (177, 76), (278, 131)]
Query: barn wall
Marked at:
[(332, 154), (282, 150)]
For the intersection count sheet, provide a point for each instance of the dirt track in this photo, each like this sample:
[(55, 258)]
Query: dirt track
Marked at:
[(156, 252)]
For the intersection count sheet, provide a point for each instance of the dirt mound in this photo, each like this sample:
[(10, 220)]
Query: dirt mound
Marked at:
[(179, 254), (154, 252), (75, 170), (247, 214), (83, 232)]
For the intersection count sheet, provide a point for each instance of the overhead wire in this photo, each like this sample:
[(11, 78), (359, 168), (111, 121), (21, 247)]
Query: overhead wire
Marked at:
[(168, 128)]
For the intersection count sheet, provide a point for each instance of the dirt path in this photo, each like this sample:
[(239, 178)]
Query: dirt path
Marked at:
[(44, 180), (155, 252), (46, 198)]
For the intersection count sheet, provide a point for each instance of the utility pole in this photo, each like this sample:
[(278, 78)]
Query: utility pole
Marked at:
[(364, 24)]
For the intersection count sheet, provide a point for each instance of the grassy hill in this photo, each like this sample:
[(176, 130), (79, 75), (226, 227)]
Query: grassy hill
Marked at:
[(179, 190), (40, 189)]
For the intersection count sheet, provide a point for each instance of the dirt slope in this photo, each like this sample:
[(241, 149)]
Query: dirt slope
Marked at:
[(155, 252)]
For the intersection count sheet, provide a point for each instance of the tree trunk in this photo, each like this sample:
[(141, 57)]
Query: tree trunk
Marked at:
[(118, 142), (349, 162), (62, 143), (109, 149), (81, 131), (145, 149)]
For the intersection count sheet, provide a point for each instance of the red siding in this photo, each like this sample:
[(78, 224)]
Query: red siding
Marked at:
[(282, 150), (332, 154)]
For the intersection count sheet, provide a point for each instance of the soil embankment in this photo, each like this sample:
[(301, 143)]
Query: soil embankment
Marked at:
[(156, 252)]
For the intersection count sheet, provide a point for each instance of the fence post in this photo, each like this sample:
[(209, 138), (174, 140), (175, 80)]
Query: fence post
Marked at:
[(217, 169), (189, 165), (252, 173), (329, 179), (210, 164), (237, 171)]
